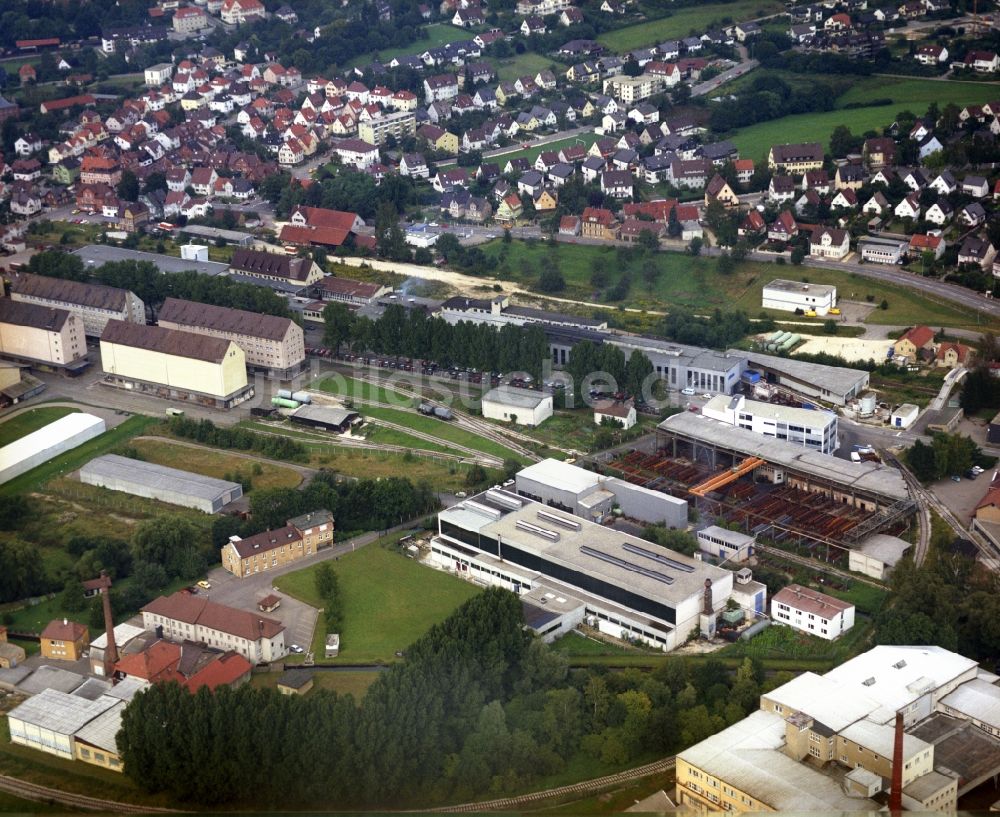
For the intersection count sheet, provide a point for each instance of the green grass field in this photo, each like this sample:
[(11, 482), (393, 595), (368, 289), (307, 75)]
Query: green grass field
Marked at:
[(23, 424), (694, 283), (343, 683), (362, 391), (687, 21), (216, 464), (438, 34), (527, 64), (389, 601), (391, 436), (585, 139), (913, 94)]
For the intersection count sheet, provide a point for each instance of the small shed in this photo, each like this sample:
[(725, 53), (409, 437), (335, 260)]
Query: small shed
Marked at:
[(269, 603), (904, 415), (295, 682), (332, 645), (327, 418)]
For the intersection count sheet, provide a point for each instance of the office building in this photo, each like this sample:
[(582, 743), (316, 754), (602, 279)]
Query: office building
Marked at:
[(791, 296), (814, 429)]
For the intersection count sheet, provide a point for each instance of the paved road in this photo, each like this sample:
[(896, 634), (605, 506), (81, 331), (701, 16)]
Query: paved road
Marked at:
[(737, 70), (539, 141)]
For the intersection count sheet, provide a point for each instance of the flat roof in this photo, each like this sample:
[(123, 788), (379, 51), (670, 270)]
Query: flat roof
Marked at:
[(47, 677), (838, 379), (881, 737), (823, 699), (157, 478), (976, 699), (573, 541), (773, 411), (874, 478), (694, 357), (513, 396), (561, 475), (98, 254), (799, 288), (887, 549), (748, 757), (60, 712), (216, 232)]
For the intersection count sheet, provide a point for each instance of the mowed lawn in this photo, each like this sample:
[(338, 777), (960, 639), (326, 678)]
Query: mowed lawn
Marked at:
[(438, 34), (755, 141), (346, 682), (389, 601), (23, 424), (680, 24), (585, 139), (216, 463), (527, 64)]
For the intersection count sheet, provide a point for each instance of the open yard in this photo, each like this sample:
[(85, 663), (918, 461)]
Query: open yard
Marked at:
[(585, 139), (913, 94), (24, 424), (438, 34), (697, 285), (389, 601), (527, 64), (347, 682), (216, 464), (682, 23)]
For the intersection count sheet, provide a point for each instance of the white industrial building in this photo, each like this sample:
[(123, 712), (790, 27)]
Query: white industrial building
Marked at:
[(146, 479), (904, 416), (810, 428), (40, 446), (877, 555), (525, 407), (725, 544), (812, 612), (789, 296), (47, 721), (593, 496), (831, 384), (883, 250), (570, 571)]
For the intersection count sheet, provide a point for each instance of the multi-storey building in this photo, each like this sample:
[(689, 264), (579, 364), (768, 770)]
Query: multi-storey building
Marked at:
[(31, 332), (795, 159), (238, 12), (792, 296), (812, 612), (633, 89), (271, 549), (190, 18), (271, 344), (398, 125), (94, 304), (812, 429), (186, 617), (276, 267)]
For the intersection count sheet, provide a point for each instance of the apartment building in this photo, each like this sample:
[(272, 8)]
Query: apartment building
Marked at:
[(273, 345), (190, 18), (633, 89), (277, 267), (398, 125), (826, 742), (812, 429), (185, 617), (300, 538), (31, 332), (795, 159), (94, 304), (812, 612)]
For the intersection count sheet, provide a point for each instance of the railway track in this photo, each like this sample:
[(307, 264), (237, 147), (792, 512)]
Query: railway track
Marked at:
[(44, 794), (584, 788), (814, 564)]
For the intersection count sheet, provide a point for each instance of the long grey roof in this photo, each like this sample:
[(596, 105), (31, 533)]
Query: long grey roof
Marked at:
[(158, 477), (513, 396), (835, 379), (870, 477), (59, 711), (103, 730), (166, 341), (63, 290), (94, 255), (224, 319)]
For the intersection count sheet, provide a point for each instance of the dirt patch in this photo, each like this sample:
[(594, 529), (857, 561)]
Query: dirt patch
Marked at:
[(851, 349)]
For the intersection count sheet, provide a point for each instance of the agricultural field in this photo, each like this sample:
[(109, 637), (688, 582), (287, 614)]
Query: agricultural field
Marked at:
[(913, 94), (697, 285), (23, 424), (682, 23), (389, 601), (216, 464)]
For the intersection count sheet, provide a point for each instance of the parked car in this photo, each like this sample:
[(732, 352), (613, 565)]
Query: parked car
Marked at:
[(204, 585), (688, 391)]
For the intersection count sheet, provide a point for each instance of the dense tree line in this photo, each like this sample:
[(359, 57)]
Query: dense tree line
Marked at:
[(411, 333), (946, 455), (719, 331), (980, 390), (478, 707), (346, 190), (153, 286), (328, 588), (206, 432), (769, 97)]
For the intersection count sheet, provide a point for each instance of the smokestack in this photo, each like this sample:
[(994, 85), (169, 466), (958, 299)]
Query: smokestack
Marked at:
[(708, 597), (896, 792), (111, 651)]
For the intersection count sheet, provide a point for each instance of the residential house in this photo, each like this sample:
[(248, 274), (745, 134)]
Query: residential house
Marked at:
[(976, 251), (617, 183), (827, 242), (783, 228), (952, 354), (719, 190), (972, 215), (598, 222), (921, 243), (909, 207), (510, 209), (913, 342), (940, 212)]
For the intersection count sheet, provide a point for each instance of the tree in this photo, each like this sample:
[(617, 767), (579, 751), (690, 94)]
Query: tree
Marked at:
[(128, 187), (798, 254), (389, 239), (551, 280), (171, 542), (842, 141), (695, 246), (338, 325), (637, 370)]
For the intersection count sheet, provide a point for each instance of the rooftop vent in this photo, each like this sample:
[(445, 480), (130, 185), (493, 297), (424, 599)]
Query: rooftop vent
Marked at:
[(869, 682), (561, 521), (545, 533), (899, 664)]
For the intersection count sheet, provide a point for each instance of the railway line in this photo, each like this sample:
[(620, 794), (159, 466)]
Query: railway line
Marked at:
[(583, 789), (44, 794)]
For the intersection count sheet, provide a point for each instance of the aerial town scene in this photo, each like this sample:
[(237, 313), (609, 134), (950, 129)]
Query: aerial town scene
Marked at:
[(583, 406)]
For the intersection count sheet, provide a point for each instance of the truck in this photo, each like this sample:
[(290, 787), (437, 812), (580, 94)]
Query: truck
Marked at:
[(175, 412)]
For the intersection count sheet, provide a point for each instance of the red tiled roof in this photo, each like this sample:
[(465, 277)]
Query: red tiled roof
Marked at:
[(919, 336), (61, 629), (227, 669), (158, 662), (182, 606)]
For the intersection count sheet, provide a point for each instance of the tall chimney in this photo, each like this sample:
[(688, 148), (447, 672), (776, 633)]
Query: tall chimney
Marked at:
[(896, 792), (111, 651), (708, 597)]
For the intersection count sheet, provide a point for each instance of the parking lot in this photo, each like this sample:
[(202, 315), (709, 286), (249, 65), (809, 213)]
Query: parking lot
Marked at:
[(962, 497)]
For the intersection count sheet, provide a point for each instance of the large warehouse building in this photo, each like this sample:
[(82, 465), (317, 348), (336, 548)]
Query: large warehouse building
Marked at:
[(94, 255), (153, 481), (175, 365), (831, 384), (593, 497), (40, 446), (569, 570), (35, 334), (94, 304), (272, 345)]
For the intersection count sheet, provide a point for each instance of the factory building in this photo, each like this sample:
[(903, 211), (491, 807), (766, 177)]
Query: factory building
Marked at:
[(94, 304), (791, 296), (40, 446), (570, 571), (593, 497), (272, 345), (510, 404), (687, 367), (726, 545), (837, 385), (41, 335), (812, 429), (811, 612), (829, 743), (327, 418), (146, 479), (174, 364), (877, 555)]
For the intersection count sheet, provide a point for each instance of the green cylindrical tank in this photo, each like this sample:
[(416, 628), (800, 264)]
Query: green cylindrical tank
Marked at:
[(777, 333), (790, 342), (284, 402)]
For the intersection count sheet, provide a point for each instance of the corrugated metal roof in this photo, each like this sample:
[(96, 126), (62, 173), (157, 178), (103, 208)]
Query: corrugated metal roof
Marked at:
[(157, 477), (59, 711)]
